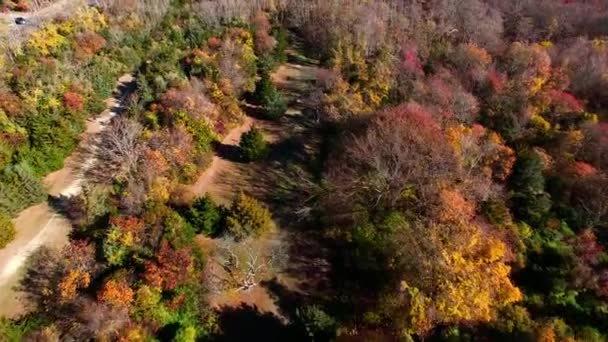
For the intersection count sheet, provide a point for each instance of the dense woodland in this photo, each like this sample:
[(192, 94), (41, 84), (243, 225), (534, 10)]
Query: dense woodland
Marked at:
[(461, 184)]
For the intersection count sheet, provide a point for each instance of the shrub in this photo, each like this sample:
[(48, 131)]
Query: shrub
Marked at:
[(177, 231), (318, 324), (19, 188), (7, 230), (204, 216), (269, 97), (247, 217), (252, 144)]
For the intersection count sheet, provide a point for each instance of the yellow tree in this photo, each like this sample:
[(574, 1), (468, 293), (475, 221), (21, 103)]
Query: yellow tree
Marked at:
[(463, 275)]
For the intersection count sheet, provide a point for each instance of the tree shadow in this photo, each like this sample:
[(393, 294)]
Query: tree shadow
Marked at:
[(67, 206), (248, 323), (286, 300), (228, 152)]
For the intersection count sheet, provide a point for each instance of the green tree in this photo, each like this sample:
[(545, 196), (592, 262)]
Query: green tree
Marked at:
[(179, 232), (7, 230), (204, 215), (247, 217), (253, 146), (270, 98), (529, 200)]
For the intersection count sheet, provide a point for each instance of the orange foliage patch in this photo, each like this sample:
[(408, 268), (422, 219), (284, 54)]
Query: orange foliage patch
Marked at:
[(73, 101), (117, 293)]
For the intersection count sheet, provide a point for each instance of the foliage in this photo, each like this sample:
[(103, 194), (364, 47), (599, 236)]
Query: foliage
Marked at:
[(270, 98), (205, 216), (7, 230), (253, 146), (247, 217), (20, 188), (318, 324), (438, 228), (530, 201)]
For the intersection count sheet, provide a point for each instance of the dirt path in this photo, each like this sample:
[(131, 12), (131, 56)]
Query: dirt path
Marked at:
[(208, 181), (40, 225)]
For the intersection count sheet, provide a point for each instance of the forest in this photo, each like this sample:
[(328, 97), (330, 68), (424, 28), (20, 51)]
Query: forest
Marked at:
[(313, 170)]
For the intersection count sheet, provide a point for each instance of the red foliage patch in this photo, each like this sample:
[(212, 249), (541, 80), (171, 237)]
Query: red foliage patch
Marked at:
[(564, 101), (88, 44), (10, 104), (496, 80), (214, 43), (171, 267), (73, 101), (127, 224), (583, 169), (410, 61)]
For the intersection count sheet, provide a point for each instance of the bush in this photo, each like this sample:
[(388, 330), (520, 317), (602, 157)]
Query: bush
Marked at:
[(204, 216), (177, 231), (19, 188), (269, 97), (247, 217), (252, 144), (318, 324), (7, 230)]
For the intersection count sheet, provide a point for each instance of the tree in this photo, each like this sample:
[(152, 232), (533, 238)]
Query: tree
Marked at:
[(247, 217), (7, 230), (399, 156), (53, 278), (245, 263), (117, 150), (270, 98), (253, 146), (116, 292), (170, 267), (204, 215), (264, 42), (529, 200)]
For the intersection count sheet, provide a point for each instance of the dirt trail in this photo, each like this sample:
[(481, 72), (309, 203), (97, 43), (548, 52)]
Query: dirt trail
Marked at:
[(208, 181), (40, 225)]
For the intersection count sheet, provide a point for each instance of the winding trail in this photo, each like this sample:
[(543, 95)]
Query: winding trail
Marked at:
[(40, 225), (208, 181)]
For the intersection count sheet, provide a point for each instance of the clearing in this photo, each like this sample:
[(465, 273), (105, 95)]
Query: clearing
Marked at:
[(294, 142)]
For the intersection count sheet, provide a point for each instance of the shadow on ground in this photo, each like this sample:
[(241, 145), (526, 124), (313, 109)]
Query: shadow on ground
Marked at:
[(228, 152), (248, 323)]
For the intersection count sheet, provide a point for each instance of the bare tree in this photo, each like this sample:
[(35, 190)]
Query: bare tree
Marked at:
[(401, 151), (244, 264), (150, 12), (215, 12), (115, 152)]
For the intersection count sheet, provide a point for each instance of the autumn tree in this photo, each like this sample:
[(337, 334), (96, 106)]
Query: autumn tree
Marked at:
[(264, 42), (170, 267), (54, 278), (247, 217), (399, 156), (116, 292)]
